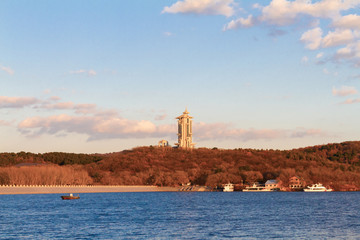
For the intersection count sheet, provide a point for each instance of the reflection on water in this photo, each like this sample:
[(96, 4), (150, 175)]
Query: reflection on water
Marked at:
[(182, 215)]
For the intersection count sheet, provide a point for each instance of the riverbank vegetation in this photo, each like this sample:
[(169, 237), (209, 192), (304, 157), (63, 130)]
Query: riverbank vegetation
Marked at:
[(335, 165)]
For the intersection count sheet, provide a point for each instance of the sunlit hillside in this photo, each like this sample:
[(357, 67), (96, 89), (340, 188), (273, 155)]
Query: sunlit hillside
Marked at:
[(336, 165)]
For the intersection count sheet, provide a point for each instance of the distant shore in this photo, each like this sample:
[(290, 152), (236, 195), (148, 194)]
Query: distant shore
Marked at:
[(46, 189)]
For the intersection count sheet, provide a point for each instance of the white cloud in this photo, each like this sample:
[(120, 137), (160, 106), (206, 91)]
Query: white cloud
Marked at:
[(215, 131), (96, 127), (78, 71), (55, 98), (86, 108), (279, 12), (90, 72), (351, 21), (283, 12), (345, 52), (17, 102), (206, 7), (8, 70), (77, 108), (240, 23), (350, 53), (351, 101), (302, 132), (100, 127), (342, 30), (96, 123), (344, 91), (338, 37), (58, 106), (5, 123), (320, 55), (312, 38), (20, 102)]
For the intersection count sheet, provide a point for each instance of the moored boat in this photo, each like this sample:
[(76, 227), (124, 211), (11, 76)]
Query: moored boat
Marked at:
[(229, 187), (317, 187), (256, 188), (70, 197)]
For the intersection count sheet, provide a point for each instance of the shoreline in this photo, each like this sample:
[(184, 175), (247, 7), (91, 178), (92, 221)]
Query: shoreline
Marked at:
[(46, 189)]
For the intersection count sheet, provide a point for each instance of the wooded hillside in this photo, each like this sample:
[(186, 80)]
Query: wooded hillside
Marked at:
[(336, 165)]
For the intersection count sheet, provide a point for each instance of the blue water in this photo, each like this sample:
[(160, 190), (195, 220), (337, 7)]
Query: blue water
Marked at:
[(182, 215)]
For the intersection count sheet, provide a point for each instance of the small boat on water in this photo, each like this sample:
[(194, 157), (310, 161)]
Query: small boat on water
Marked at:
[(318, 187), (229, 187), (70, 197)]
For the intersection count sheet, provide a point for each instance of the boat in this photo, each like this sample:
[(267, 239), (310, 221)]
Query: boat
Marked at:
[(317, 187), (229, 187), (70, 197), (256, 188)]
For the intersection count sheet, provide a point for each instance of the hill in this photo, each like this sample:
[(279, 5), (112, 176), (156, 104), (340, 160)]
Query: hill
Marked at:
[(337, 165)]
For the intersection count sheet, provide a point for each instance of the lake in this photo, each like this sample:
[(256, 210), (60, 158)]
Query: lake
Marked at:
[(182, 215)]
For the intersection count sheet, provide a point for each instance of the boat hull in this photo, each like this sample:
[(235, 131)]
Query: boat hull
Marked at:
[(69, 197), (254, 190), (322, 190)]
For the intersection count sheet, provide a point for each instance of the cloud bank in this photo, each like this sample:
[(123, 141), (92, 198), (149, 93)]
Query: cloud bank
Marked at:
[(220, 131), (96, 127), (106, 127), (17, 102), (97, 123)]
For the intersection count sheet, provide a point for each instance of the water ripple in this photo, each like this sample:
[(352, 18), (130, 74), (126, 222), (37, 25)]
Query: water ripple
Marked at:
[(207, 215)]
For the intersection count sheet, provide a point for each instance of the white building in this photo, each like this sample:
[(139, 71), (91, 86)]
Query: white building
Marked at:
[(163, 143), (272, 185)]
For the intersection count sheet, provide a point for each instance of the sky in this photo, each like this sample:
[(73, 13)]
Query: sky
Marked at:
[(104, 76)]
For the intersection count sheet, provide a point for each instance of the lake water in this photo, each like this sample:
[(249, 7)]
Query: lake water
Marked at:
[(182, 215)]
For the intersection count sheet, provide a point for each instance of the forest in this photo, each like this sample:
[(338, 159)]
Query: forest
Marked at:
[(336, 165)]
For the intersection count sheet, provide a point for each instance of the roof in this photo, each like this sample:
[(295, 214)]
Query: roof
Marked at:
[(296, 177), (185, 115), (273, 181)]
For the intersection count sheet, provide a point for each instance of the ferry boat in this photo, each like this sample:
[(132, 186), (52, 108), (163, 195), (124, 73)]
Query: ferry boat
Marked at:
[(318, 187), (229, 187), (70, 197), (256, 188)]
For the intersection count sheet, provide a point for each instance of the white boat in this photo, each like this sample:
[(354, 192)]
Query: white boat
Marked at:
[(229, 187), (318, 187), (256, 188)]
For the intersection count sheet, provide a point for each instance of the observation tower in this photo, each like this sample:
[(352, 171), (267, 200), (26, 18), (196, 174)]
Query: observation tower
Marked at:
[(185, 131)]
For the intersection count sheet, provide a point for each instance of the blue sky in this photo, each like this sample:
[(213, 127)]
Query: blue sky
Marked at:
[(95, 76)]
